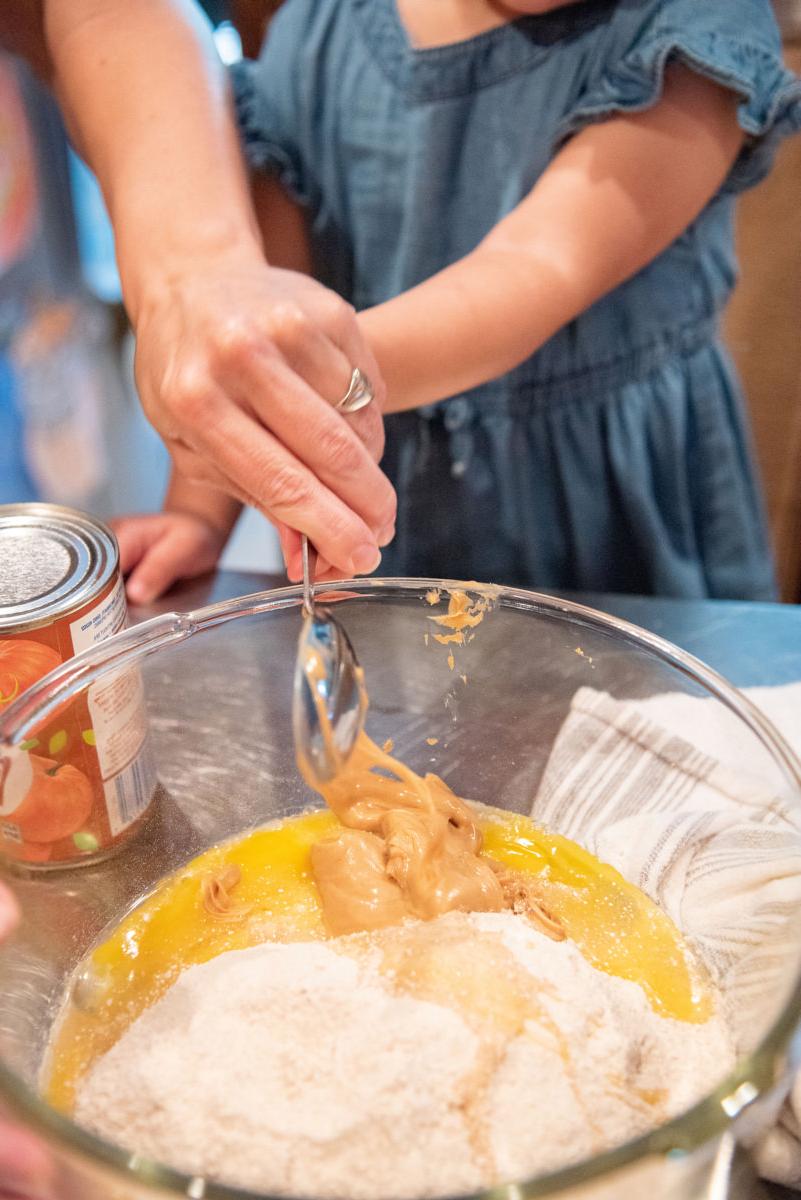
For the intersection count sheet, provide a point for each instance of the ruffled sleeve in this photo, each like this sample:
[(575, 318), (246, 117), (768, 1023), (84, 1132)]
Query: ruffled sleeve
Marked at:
[(734, 42), (266, 108)]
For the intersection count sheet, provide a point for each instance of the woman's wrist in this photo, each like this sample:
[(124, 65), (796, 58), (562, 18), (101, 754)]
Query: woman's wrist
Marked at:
[(150, 280)]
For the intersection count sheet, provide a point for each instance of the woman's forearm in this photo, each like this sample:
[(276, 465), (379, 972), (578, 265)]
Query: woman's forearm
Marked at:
[(613, 199), (238, 364), (146, 100)]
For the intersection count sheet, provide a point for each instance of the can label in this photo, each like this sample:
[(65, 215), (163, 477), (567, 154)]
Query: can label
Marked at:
[(86, 776), (101, 621)]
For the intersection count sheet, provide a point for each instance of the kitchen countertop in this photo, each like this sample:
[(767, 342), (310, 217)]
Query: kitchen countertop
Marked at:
[(751, 644)]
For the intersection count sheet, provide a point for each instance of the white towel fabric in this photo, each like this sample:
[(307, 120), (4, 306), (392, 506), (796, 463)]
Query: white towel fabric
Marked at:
[(670, 792)]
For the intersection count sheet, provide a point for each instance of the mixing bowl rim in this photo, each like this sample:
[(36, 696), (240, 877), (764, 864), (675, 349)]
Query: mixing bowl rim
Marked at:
[(752, 1076)]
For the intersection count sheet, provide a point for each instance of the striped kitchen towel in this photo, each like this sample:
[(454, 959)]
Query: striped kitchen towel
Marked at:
[(669, 792)]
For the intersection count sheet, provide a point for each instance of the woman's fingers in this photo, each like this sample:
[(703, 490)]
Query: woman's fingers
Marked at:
[(326, 364), (291, 551), (310, 428), (341, 324), (243, 364), (252, 464)]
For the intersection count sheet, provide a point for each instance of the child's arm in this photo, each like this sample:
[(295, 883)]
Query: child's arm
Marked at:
[(184, 540), (611, 201)]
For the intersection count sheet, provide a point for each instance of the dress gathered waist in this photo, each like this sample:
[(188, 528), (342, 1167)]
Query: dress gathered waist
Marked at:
[(525, 388)]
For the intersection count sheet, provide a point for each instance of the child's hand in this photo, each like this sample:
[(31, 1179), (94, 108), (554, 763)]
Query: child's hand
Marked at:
[(157, 549)]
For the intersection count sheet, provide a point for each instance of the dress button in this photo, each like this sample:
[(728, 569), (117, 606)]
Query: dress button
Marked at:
[(457, 413)]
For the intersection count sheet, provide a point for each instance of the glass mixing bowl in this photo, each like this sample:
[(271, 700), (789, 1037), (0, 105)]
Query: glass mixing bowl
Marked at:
[(218, 686)]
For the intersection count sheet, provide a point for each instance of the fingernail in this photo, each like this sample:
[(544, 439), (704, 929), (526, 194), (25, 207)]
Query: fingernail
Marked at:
[(386, 535), (365, 559)]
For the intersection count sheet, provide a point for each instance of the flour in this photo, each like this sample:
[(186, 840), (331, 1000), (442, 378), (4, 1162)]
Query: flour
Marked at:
[(436, 1059)]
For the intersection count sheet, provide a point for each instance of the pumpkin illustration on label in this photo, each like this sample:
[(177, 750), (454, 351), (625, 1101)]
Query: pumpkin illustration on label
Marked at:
[(55, 805), (22, 662)]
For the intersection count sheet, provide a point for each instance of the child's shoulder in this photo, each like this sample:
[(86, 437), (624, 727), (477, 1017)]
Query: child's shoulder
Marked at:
[(722, 33), (737, 18), (728, 31), (735, 43)]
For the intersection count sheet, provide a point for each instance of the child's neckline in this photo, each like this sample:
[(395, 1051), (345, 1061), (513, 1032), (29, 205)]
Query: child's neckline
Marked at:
[(543, 28), (460, 68), (415, 46), (494, 33)]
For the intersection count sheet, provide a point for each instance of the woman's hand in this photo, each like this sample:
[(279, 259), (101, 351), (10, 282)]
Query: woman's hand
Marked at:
[(239, 366)]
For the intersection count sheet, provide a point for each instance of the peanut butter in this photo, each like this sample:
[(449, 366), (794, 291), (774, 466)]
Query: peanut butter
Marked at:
[(408, 847)]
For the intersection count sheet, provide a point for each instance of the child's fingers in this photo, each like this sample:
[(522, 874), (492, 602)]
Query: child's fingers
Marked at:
[(164, 562), (180, 553), (145, 585), (134, 536)]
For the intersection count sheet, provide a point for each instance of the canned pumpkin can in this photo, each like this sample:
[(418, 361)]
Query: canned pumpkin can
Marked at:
[(82, 783)]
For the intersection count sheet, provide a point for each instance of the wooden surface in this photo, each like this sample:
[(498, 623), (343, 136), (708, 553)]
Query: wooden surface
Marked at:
[(763, 330)]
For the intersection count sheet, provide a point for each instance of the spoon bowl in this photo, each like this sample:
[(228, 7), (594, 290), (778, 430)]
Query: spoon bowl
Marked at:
[(329, 698)]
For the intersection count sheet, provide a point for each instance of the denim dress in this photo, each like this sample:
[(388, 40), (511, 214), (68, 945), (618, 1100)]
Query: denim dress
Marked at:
[(616, 458)]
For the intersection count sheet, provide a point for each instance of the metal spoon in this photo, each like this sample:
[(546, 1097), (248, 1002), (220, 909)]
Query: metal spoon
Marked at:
[(330, 699)]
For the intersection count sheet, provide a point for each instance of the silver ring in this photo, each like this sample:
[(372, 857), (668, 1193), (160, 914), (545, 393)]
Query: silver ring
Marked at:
[(359, 393)]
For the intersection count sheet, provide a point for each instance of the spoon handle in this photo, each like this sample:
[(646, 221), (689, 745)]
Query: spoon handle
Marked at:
[(309, 557)]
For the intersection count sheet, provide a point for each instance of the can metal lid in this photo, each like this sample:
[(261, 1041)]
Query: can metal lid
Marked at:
[(53, 560)]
